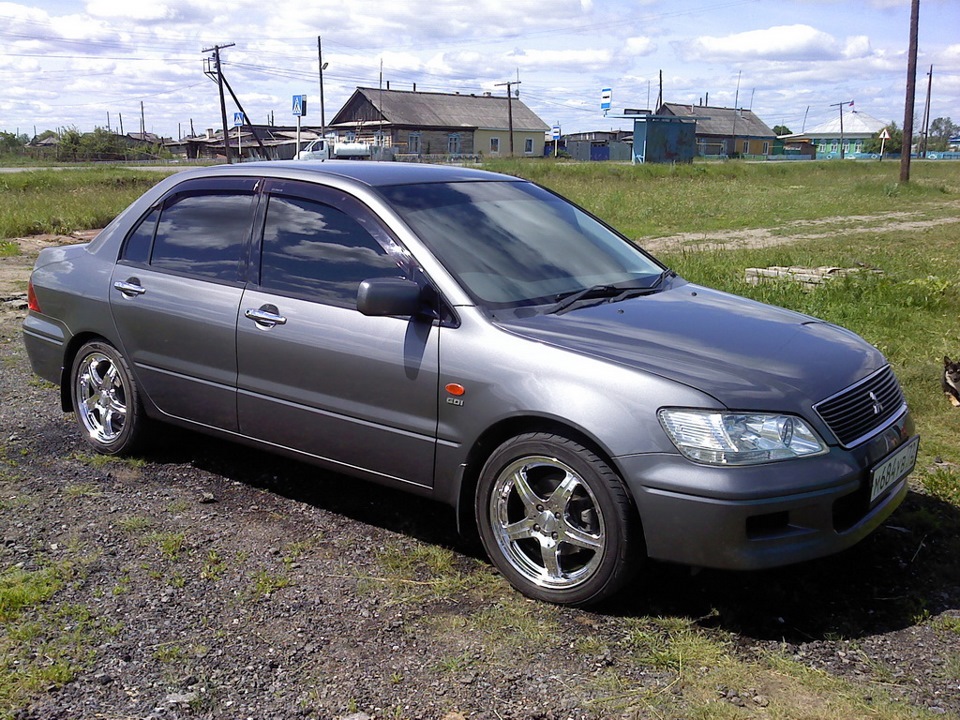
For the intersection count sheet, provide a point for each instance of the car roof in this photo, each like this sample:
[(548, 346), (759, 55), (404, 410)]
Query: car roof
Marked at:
[(368, 172)]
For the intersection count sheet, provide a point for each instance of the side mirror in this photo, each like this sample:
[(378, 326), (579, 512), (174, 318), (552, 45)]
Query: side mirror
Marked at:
[(389, 296)]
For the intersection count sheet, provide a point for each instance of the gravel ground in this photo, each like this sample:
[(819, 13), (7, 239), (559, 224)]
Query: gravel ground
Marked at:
[(220, 582)]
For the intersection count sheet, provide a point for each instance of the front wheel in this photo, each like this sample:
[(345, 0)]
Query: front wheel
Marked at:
[(556, 520), (105, 399)]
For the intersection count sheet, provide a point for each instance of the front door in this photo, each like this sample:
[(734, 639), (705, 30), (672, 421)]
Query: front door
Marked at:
[(317, 376)]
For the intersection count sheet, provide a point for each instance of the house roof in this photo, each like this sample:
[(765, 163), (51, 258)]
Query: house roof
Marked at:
[(855, 123), (441, 110), (720, 121)]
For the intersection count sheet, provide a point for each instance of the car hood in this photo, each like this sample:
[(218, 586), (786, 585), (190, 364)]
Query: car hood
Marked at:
[(747, 355)]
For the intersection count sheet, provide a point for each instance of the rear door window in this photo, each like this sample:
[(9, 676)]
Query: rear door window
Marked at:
[(203, 235)]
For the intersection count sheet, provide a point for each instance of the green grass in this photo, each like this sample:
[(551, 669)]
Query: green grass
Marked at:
[(656, 200), (43, 643), (49, 201)]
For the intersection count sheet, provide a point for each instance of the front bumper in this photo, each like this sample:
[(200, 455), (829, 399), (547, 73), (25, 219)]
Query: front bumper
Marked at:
[(763, 516)]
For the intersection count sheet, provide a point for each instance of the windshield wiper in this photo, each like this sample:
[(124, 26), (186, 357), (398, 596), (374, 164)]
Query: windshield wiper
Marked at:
[(594, 291), (608, 293)]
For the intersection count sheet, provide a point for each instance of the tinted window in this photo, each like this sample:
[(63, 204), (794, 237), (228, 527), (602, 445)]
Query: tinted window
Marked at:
[(318, 251), (137, 248), (203, 235)]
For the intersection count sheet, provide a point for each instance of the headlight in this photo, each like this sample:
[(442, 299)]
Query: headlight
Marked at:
[(729, 438)]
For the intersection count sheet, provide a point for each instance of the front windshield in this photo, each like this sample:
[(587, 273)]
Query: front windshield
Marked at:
[(512, 243)]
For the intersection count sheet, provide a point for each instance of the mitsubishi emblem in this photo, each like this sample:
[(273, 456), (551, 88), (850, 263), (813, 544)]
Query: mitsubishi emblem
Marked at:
[(877, 405)]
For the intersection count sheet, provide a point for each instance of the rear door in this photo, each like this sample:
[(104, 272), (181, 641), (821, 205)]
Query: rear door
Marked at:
[(175, 295), (316, 375)]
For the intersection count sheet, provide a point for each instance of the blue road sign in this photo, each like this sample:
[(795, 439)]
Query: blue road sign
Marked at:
[(299, 105), (239, 119)]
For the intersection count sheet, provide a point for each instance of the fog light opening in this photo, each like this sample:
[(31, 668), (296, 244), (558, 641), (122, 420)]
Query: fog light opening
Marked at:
[(768, 525)]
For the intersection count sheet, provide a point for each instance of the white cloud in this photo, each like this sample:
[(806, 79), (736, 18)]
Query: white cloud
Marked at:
[(782, 42), (573, 60), (640, 46)]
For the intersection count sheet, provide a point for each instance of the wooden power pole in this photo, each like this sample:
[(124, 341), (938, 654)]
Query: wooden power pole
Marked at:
[(911, 92)]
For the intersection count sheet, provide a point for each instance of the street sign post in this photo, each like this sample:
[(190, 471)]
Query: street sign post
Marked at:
[(555, 136), (884, 136), (238, 122), (299, 110), (606, 99)]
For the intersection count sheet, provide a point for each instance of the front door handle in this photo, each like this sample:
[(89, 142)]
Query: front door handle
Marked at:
[(266, 316)]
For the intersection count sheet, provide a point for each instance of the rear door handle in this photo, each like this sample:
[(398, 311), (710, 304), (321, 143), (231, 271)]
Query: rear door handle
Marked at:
[(130, 287), (267, 316)]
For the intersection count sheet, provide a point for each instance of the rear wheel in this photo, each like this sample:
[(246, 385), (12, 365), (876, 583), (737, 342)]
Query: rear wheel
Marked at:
[(556, 520), (106, 401)]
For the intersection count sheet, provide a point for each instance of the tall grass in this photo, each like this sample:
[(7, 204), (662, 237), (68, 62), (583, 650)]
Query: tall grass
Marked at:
[(656, 200), (51, 201)]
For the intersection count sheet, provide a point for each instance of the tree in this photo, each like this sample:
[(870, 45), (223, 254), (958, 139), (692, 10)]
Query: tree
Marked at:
[(69, 147), (941, 130), (893, 145), (779, 130), (101, 144), (11, 144)]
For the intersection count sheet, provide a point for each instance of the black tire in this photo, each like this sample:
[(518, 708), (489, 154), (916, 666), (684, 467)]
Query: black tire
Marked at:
[(556, 520), (106, 401)]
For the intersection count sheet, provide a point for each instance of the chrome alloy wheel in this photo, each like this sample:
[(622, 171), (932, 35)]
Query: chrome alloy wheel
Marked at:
[(101, 397), (547, 522)]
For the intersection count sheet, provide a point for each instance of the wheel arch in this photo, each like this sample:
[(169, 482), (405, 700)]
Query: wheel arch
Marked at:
[(499, 433), (69, 355)]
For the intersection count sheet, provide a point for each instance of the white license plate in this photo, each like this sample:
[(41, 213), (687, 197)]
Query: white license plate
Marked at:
[(893, 468)]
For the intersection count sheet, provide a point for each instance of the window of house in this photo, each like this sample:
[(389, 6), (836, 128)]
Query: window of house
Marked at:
[(528, 146), (413, 143), (316, 251), (745, 147), (453, 144), (766, 147), (203, 235), (494, 146)]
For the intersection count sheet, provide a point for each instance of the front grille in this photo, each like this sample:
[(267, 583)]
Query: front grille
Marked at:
[(855, 413)]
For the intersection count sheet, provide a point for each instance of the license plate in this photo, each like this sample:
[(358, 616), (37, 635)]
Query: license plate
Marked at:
[(892, 468)]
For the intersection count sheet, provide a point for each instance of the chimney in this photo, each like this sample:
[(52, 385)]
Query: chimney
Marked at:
[(209, 133)]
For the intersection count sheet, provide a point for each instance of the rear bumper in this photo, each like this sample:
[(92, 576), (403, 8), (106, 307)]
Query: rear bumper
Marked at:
[(45, 341), (764, 516)]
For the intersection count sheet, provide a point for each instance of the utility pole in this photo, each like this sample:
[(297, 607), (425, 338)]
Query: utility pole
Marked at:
[(840, 105), (736, 111), (926, 114), (143, 124), (223, 107), (509, 85), (911, 92), (323, 66)]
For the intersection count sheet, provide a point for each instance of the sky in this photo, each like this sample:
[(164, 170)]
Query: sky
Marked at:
[(83, 65)]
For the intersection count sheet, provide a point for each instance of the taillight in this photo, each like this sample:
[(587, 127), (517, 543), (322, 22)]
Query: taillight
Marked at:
[(32, 302)]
